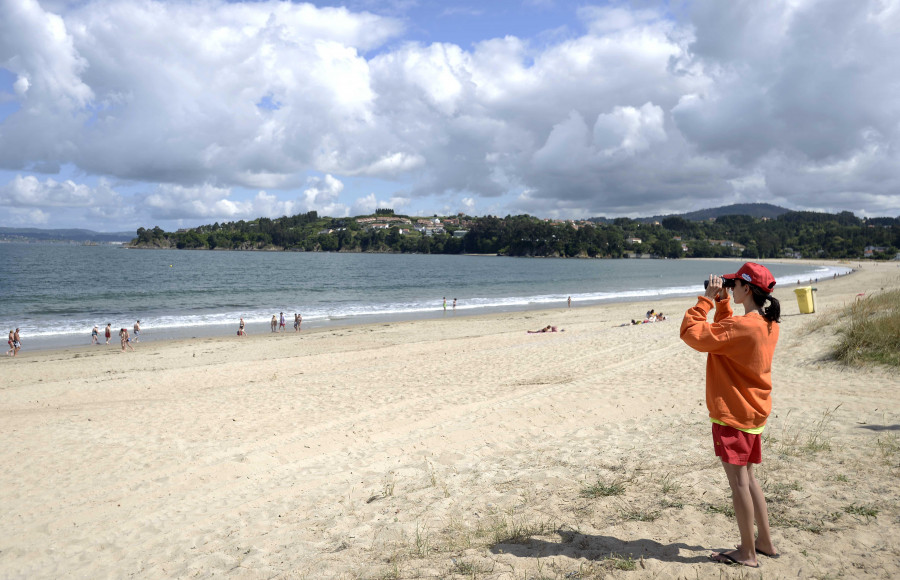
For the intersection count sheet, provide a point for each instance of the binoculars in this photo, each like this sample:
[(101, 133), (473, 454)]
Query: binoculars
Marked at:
[(726, 283)]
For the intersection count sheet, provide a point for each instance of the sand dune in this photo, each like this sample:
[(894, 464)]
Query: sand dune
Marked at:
[(431, 449)]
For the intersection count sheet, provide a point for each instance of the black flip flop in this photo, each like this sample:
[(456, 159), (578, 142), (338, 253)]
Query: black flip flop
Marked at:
[(730, 560)]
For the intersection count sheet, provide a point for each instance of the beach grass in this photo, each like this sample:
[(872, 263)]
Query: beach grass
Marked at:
[(604, 489), (870, 330), (862, 510), (518, 530), (802, 439)]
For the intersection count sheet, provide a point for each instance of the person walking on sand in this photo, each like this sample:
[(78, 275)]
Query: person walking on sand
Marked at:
[(95, 335), (137, 330), (10, 343), (274, 323), (17, 343), (108, 331), (126, 340), (739, 393), (570, 302), (281, 323), (241, 331)]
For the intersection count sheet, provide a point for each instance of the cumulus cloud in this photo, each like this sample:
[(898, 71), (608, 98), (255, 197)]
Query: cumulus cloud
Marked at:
[(17, 216), (640, 111), (394, 164), (30, 192), (29, 200), (322, 192), (212, 203), (206, 201), (365, 205), (369, 203), (629, 130), (181, 84), (37, 47)]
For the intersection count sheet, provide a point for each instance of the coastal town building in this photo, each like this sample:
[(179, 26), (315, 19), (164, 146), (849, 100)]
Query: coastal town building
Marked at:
[(735, 247)]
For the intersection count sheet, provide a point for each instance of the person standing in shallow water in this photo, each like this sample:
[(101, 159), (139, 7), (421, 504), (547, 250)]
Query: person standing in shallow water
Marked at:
[(738, 393)]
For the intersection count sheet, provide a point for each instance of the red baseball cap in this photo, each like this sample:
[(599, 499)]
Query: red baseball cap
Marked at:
[(755, 274)]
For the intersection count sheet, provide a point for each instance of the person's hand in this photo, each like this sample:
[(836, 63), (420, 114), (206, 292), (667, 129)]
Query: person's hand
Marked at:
[(715, 290)]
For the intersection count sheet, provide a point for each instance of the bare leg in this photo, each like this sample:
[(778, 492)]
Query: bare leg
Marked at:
[(742, 499), (761, 512)]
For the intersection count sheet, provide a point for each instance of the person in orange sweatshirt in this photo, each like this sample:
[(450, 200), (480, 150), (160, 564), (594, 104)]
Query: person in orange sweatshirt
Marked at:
[(738, 391)]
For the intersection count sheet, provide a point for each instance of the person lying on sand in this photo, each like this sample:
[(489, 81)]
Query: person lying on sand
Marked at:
[(658, 317), (547, 328)]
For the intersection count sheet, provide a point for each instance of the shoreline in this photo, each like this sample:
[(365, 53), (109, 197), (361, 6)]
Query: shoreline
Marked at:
[(188, 334)]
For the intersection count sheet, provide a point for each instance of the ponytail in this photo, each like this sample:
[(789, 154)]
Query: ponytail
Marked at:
[(772, 313)]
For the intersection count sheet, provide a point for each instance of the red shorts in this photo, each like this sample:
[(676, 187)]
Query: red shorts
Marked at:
[(735, 446)]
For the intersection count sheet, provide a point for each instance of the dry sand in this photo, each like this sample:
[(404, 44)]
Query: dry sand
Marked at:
[(460, 447)]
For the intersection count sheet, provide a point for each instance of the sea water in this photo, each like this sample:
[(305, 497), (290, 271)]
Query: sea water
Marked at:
[(55, 293)]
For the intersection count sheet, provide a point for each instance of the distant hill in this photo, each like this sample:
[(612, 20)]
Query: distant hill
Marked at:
[(756, 210), (70, 235)]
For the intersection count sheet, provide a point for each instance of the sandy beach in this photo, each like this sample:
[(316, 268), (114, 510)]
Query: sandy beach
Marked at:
[(462, 447)]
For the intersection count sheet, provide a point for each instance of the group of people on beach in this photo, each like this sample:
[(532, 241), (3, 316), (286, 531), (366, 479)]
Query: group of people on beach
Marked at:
[(652, 316), (15, 344), (125, 338), (278, 323)]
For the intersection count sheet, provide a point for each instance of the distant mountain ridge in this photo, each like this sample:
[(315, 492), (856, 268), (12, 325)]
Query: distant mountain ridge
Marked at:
[(755, 210), (66, 235)]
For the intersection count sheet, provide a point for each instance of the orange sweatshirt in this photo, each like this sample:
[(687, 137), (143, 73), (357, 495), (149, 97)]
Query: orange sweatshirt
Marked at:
[(739, 365)]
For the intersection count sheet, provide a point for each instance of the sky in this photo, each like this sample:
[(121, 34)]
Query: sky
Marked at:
[(119, 114)]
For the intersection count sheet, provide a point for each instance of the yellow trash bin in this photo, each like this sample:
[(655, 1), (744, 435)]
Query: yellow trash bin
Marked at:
[(805, 299)]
